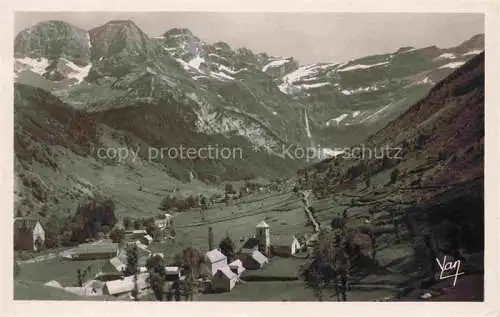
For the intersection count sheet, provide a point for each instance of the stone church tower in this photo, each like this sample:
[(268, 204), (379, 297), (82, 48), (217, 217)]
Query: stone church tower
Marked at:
[(263, 236)]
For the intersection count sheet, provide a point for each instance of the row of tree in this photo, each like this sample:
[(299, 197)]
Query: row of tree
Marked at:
[(93, 216)]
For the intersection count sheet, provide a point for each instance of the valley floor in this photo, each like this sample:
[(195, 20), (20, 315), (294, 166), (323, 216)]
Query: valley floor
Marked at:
[(284, 212)]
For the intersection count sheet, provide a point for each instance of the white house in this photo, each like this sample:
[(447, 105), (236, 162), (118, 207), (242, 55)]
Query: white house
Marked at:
[(224, 279), (215, 260), (172, 273), (284, 245)]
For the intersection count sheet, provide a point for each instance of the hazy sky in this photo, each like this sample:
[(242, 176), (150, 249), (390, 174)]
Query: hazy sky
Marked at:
[(309, 37)]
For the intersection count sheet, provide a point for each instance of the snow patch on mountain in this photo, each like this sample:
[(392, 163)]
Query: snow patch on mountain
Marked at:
[(78, 72), (275, 63), (199, 77), (196, 62), (221, 76), (337, 119), (375, 115), (426, 80), (361, 66), (217, 56), (453, 65), (311, 86), (473, 52), (445, 56), (303, 73), (37, 66), (230, 70), (329, 153), (306, 71), (348, 92)]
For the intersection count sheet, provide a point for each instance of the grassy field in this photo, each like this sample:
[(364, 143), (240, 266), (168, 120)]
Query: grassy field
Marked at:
[(61, 270), (30, 290), (263, 291), (283, 212), (278, 267)]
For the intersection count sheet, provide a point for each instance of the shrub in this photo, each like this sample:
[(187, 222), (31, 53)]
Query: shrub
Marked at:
[(168, 203), (394, 175)]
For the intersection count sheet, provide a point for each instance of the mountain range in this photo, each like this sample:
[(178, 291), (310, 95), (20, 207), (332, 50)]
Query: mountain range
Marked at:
[(116, 87)]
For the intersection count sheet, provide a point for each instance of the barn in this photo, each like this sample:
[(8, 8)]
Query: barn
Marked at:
[(253, 260), (94, 251), (28, 234), (283, 245), (224, 279)]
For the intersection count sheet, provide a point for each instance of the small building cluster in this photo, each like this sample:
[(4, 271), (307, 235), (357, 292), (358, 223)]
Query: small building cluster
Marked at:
[(253, 255)]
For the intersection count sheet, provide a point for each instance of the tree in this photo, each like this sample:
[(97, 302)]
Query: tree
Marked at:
[(168, 203), (177, 290), (151, 227), (190, 259), (79, 278), (135, 291), (321, 271), (329, 266), (105, 229), (137, 224), (132, 260), (203, 202), (394, 175), (52, 232), (157, 274), (337, 223), (210, 238), (227, 247), (368, 182), (127, 223), (132, 268), (95, 212), (117, 235), (17, 269), (230, 188), (369, 230)]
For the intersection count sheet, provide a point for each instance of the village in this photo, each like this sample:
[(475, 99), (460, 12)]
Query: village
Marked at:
[(255, 255)]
